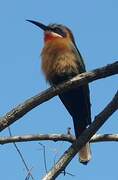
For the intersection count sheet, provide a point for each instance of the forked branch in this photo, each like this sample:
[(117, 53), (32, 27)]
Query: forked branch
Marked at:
[(84, 138)]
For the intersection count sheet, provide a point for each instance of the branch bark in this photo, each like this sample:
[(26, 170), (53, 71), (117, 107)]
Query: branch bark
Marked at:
[(57, 137), (79, 80), (84, 138)]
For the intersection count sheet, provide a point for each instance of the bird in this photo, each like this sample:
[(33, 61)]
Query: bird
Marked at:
[(61, 61)]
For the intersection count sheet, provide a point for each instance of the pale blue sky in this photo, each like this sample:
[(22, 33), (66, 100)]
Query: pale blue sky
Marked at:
[(95, 27)]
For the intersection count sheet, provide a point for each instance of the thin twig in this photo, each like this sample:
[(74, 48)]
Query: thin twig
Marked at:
[(79, 80), (21, 156), (44, 157), (67, 173), (28, 175)]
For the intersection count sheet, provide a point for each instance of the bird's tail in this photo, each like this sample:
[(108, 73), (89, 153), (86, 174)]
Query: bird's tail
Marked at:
[(85, 154)]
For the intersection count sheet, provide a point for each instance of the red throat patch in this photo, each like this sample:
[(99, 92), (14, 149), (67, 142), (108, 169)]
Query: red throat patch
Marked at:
[(48, 37), (51, 36)]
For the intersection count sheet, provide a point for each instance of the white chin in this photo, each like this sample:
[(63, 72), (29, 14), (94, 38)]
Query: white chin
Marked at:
[(55, 34)]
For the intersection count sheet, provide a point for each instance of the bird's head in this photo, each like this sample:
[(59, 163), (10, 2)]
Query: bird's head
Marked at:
[(54, 31)]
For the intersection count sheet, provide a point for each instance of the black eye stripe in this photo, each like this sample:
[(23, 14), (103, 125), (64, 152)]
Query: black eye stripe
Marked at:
[(60, 31)]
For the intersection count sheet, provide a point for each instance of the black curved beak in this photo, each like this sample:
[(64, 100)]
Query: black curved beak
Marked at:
[(40, 25)]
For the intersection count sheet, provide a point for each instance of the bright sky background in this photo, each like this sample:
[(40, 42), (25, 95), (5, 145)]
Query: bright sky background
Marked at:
[(95, 27)]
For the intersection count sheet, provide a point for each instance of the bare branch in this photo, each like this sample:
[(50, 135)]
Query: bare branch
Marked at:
[(79, 80), (57, 137), (104, 138), (84, 138), (38, 137)]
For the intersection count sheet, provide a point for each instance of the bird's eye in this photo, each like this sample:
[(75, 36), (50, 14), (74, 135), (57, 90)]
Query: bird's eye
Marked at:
[(59, 31)]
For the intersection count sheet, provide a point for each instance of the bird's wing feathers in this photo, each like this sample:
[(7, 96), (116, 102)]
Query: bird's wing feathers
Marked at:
[(80, 61), (77, 100)]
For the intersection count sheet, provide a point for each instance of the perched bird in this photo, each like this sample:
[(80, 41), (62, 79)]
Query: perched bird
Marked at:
[(61, 61)]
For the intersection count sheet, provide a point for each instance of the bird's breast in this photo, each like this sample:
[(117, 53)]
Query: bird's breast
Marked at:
[(58, 62)]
